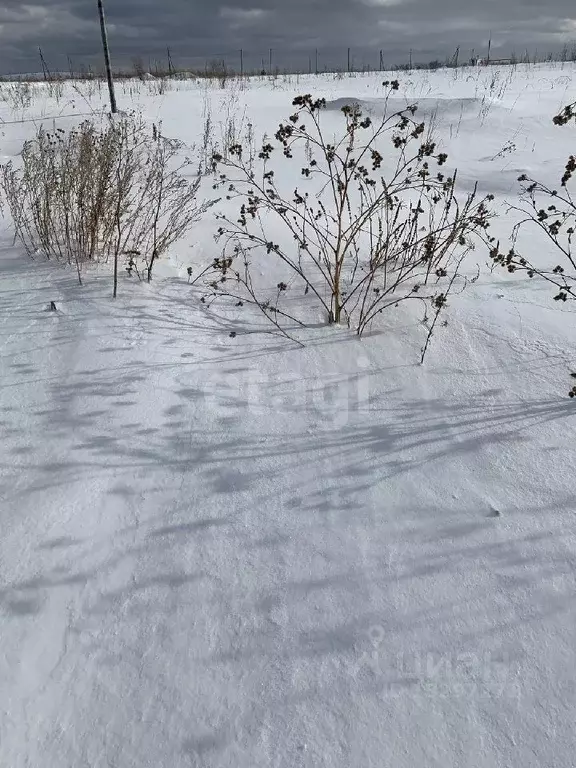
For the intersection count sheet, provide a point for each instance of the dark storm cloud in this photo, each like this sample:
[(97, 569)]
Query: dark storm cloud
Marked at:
[(199, 29)]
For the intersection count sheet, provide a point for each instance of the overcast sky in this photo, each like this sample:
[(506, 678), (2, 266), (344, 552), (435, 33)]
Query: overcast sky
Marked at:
[(197, 30)]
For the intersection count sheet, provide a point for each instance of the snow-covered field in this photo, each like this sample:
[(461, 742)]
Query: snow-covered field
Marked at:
[(240, 552)]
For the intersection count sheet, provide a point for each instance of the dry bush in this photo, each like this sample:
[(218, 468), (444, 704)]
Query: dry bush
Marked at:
[(159, 86), (552, 212), (234, 127), (19, 95), (56, 87), (139, 68), (382, 224), (117, 192), (217, 70)]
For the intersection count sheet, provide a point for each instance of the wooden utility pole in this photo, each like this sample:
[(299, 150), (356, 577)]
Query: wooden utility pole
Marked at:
[(171, 69), (45, 70), (113, 106)]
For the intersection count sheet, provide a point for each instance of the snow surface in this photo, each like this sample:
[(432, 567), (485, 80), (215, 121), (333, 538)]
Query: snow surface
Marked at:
[(239, 552)]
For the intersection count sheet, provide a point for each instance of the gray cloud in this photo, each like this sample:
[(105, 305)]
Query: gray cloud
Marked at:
[(206, 29)]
